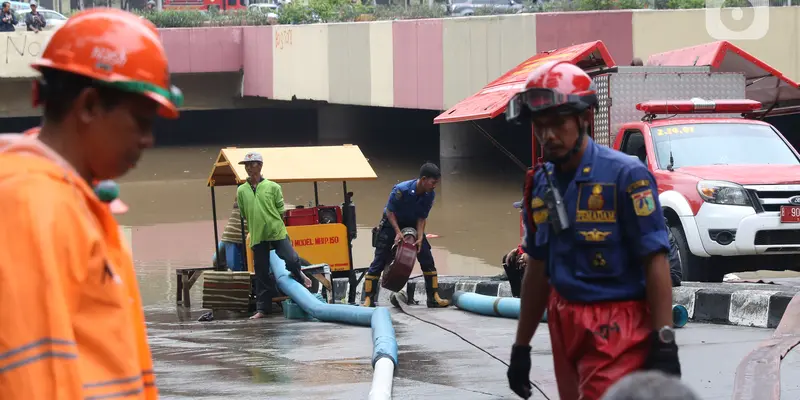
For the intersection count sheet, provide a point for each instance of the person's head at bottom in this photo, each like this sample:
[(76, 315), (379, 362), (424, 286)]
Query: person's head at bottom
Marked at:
[(104, 79), (557, 100), (650, 385)]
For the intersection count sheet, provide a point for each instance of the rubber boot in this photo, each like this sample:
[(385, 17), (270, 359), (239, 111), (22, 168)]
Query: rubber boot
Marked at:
[(432, 289), (370, 289)]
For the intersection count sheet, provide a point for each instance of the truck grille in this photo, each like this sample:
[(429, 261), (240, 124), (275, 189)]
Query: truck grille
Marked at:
[(777, 238), (772, 197)]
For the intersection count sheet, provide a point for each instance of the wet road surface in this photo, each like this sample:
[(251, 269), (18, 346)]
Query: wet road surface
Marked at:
[(288, 359)]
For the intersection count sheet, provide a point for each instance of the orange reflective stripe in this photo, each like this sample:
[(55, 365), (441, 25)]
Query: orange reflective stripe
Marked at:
[(116, 395), (38, 343), (33, 352), (114, 388), (113, 382)]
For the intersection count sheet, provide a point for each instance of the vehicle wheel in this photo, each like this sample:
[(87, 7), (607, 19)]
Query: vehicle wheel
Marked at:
[(693, 268)]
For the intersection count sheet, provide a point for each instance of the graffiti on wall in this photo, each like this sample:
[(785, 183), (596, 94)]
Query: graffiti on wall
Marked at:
[(283, 38), (18, 50)]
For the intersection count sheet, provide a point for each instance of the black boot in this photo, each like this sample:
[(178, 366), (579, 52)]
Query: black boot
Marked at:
[(370, 290), (432, 289)]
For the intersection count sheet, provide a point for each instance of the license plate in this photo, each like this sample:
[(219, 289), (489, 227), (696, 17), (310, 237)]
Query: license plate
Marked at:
[(790, 214)]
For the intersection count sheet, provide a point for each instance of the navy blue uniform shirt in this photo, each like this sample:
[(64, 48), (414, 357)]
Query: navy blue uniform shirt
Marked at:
[(615, 221), (407, 205)]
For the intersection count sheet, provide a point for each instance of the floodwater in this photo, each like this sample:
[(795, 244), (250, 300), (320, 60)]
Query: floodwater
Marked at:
[(170, 213)]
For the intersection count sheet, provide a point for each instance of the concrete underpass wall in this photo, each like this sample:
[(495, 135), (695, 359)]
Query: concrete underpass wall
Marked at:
[(16, 100), (432, 63), (466, 140), (208, 91), (253, 127), (405, 130)]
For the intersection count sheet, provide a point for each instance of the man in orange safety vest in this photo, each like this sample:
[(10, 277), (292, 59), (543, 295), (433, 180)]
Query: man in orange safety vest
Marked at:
[(73, 326)]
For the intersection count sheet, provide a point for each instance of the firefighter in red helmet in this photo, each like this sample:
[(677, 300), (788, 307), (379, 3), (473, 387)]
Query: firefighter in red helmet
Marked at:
[(597, 247)]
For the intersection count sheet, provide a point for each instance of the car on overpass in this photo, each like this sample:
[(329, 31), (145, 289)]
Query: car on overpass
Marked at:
[(464, 8)]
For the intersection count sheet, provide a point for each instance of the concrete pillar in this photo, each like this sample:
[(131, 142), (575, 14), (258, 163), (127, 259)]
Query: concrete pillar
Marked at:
[(338, 124), (459, 140)]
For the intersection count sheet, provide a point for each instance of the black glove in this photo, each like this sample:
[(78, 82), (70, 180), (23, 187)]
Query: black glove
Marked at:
[(519, 370), (663, 357)]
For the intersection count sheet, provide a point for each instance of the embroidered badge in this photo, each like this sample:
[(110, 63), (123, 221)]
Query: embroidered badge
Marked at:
[(596, 198), (595, 235), (537, 202), (540, 216), (597, 203), (638, 185), (643, 203), (599, 261)]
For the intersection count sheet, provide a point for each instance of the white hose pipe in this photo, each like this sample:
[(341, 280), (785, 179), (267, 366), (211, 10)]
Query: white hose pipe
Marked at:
[(382, 380)]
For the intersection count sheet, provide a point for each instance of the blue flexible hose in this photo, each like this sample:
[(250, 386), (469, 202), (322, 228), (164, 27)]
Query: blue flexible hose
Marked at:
[(383, 337), (507, 307)]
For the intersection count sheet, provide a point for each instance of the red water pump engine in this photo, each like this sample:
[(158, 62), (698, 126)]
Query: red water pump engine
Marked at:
[(404, 256), (313, 216), (344, 214)]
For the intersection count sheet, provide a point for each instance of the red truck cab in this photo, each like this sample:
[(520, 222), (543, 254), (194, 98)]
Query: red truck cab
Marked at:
[(729, 187)]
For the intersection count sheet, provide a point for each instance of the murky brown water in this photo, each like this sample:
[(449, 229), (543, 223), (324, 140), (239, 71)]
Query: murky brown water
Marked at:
[(170, 212)]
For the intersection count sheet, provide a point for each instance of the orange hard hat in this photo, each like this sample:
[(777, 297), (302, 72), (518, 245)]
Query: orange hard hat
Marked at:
[(556, 86), (117, 49)]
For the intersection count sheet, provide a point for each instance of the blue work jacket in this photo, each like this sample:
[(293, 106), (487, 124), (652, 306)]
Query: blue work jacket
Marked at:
[(615, 222), (407, 205)]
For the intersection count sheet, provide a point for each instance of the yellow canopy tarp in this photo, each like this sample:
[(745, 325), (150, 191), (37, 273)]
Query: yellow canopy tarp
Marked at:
[(294, 164)]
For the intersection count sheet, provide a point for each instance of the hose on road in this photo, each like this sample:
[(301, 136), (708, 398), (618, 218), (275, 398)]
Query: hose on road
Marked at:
[(400, 298)]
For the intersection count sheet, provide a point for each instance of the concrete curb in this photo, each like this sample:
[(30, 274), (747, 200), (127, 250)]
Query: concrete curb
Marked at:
[(755, 305)]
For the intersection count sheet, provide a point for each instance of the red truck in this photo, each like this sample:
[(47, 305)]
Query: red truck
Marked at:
[(728, 182)]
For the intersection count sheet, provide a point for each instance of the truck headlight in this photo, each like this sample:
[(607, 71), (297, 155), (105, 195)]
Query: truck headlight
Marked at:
[(722, 192)]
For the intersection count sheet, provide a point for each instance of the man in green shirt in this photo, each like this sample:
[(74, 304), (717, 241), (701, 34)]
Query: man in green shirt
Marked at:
[(261, 203)]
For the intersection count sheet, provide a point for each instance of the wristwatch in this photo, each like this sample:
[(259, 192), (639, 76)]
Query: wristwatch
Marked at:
[(666, 335)]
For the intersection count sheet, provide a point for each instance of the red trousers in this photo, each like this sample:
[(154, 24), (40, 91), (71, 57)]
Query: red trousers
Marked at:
[(595, 345)]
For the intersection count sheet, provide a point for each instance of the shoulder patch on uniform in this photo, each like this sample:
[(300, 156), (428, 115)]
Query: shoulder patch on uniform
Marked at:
[(638, 185), (537, 202), (643, 203), (398, 194), (540, 216)]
